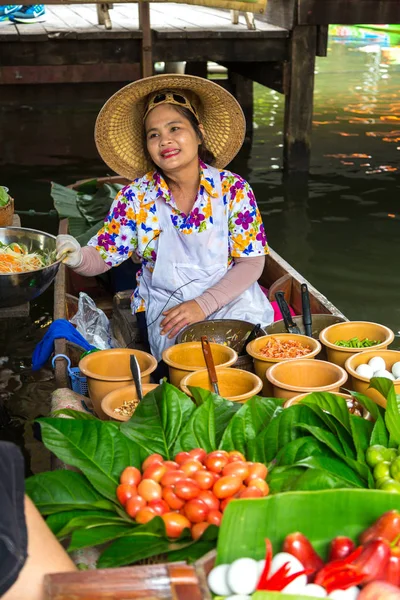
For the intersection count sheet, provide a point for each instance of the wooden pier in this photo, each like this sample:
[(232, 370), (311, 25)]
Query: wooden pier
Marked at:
[(72, 58)]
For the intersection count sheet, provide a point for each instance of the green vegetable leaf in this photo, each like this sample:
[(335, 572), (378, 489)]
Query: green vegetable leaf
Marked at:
[(195, 550), (299, 449), (64, 490), (4, 198), (158, 420), (335, 467), (199, 431), (379, 433), (333, 404), (76, 414), (224, 409), (361, 430), (336, 428), (392, 415), (284, 479), (99, 451), (63, 524), (95, 536)]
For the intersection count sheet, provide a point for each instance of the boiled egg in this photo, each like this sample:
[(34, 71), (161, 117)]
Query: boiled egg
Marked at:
[(243, 575), (384, 373), (261, 565), (314, 590), (396, 370), (217, 580), (377, 364), (365, 371), (238, 597), (297, 585), (350, 594)]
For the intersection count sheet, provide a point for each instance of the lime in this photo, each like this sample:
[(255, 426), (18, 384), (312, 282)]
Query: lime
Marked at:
[(381, 481), (375, 454), (391, 486), (390, 454), (395, 469), (382, 470)]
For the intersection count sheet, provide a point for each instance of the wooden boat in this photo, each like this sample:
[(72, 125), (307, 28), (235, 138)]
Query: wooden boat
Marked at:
[(277, 275)]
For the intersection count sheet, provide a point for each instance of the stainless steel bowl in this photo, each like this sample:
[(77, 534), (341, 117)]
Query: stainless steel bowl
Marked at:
[(19, 288)]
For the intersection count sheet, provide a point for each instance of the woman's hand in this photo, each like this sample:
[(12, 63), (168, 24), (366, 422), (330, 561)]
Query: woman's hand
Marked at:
[(179, 316), (70, 248)]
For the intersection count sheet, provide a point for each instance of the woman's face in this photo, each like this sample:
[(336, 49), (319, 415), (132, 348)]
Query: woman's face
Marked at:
[(171, 140)]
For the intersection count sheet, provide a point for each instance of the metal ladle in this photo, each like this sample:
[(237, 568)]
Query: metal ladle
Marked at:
[(135, 370)]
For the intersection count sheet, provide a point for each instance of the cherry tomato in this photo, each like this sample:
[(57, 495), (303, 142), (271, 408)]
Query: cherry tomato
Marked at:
[(172, 499), (236, 456), (125, 491), (261, 484), (204, 479), (227, 486), (172, 477), (145, 515), (251, 492), (198, 529), (214, 517), (134, 504), (186, 489), (182, 457), (149, 490), (216, 461), (225, 503), (257, 471), (155, 472), (196, 510), (238, 469), (191, 466), (131, 476), (160, 507), (208, 498), (171, 465), (175, 524), (198, 454), (151, 460)]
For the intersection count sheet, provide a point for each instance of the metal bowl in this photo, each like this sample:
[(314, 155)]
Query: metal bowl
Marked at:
[(18, 288), (231, 332)]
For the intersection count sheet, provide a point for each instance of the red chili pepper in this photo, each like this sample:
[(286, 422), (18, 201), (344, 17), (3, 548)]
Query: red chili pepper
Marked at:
[(387, 527), (340, 547), (280, 579), (336, 567), (299, 546), (373, 560), (341, 579)]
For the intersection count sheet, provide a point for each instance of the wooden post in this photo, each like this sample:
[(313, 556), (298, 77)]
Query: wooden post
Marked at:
[(299, 99), (242, 89), (145, 26)]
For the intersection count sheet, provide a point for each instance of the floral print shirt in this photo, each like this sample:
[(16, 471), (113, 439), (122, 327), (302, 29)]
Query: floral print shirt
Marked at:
[(132, 223)]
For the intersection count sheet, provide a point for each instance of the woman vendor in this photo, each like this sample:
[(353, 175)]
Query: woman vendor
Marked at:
[(194, 225)]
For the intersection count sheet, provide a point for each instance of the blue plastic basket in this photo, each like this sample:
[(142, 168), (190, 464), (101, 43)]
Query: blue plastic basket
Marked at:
[(77, 380)]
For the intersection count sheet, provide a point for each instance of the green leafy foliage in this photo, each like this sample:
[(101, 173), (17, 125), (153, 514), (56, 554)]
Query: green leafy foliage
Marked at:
[(4, 197)]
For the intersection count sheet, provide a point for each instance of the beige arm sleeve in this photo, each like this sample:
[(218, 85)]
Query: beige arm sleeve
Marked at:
[(92, 263)]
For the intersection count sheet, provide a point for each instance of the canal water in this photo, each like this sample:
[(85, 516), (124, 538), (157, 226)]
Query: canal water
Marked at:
[(339, 228)]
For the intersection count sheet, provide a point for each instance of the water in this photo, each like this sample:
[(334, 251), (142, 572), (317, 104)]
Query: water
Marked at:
[(340, 228)]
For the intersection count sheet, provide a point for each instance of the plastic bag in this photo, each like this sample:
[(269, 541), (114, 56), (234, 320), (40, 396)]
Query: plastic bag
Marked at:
[(93, 324)]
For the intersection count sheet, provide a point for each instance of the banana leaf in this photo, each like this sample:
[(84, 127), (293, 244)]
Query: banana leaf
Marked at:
[(320, 516)]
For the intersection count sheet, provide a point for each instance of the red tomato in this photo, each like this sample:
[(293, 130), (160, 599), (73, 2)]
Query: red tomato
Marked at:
[(160, 507), (125, 491), (151, 460), (172, 477), (198, 454), (216, 461), (208, 498), (171, 465), (155, 472), (172, 499), (204, 479), (227, 486), (186, 489), (225, 502), (257, 471), (134, 504), (175, 524), (191, 466), (149, 490), (145, 515), (251, 492), (261, 484), (236, 456), (238, 469), (131, 476), (198, 529), (214, 517), (182, 457), (196, 510)]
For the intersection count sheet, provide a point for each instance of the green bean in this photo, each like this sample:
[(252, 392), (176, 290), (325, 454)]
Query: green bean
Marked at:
[(356, 343)]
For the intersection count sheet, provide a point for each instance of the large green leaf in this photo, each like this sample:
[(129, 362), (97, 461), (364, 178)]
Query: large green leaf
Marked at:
[(379, 433), (199, 431), (392, 415), (63, 524), (320, 516), (195, 550), (101, 452), (361, 430), (333, 466), (158, 419), (75, 414), (95, 536), (297, 478), (224, 409), (338, 430), (299, 449), (63, 490), (331, 403)]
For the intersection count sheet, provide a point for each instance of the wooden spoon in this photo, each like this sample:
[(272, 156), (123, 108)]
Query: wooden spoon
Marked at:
[(205, 344)]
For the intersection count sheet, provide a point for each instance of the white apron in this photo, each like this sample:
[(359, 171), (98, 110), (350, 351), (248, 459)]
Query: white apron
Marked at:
[(187, 265)]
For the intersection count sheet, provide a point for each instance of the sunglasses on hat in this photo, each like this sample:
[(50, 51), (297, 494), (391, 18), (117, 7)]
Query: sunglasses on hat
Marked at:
[(169, 97)]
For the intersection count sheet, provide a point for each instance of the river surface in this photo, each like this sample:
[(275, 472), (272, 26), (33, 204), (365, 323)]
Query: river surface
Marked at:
[(340, 228)]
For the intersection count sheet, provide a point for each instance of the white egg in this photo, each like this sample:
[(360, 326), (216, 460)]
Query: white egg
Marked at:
[(396, 370), (350, 594), (312, 589), (294, 566), (261, 565), (243, 575), (377, 363), (217, 580), (238, 597), (384, 373), (365, 371)]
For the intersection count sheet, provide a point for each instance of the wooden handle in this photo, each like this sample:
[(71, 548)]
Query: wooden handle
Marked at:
[(209, 359)]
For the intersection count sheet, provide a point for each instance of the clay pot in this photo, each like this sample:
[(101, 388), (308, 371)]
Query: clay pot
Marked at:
[(292, 377), (116, 399), (187, 357), (349, 330), (361, 384), (7, 213), (234, 384), (263, 363), (108, 370)]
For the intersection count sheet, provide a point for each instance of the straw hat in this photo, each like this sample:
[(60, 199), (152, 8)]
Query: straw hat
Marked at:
[(119, 126)]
